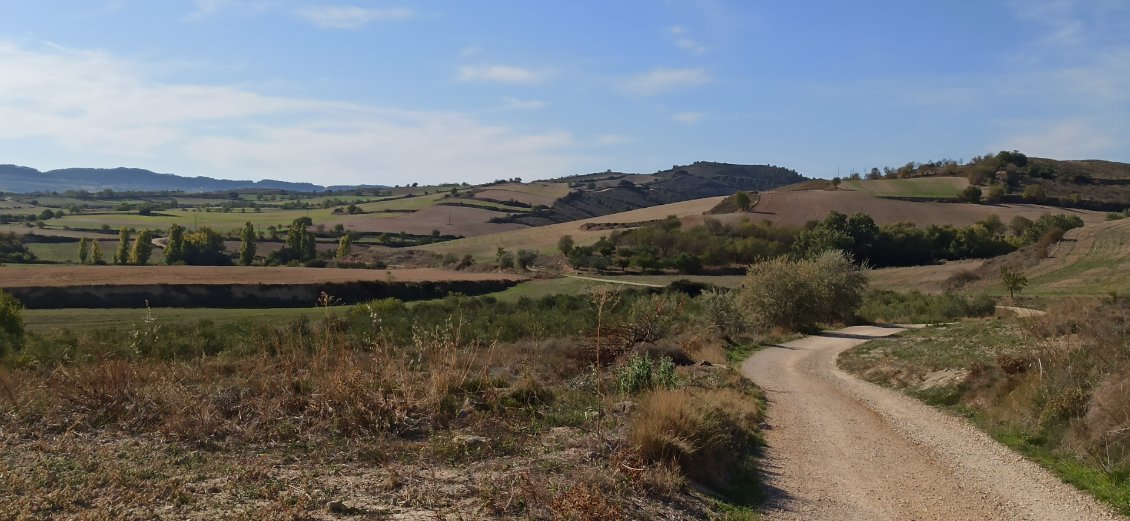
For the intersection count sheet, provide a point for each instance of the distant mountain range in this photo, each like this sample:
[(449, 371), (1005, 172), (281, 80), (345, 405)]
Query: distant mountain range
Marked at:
[(22, 179), (617, 191)]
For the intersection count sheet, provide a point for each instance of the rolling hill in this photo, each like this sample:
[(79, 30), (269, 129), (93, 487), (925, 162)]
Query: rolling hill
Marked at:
[(22, 179), (613, 192)]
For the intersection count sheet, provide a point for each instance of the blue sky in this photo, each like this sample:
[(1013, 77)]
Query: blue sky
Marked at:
[(396, 92)]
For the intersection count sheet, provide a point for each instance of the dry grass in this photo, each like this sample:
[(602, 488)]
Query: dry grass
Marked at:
[(303, 424), (708, 434)]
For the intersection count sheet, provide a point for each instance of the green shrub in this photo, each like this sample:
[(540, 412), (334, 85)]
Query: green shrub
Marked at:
[(642, 374), (11, 323), (799, 294), (915, 307)]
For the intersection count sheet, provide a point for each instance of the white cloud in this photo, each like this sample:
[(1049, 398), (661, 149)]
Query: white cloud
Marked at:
[(500, 74), (91, 108), (350, 17), (689, 118), (1061, 139), (523, 104), (679, 36), (662, 80)]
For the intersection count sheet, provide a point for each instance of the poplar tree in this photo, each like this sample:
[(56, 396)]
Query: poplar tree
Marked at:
[(247, 244), (95, 252), (121, 255), (83, 250), (344, 245), (174, 251), (142, 248)]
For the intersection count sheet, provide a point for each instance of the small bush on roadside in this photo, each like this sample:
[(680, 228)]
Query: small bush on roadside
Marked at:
[(707, 434)]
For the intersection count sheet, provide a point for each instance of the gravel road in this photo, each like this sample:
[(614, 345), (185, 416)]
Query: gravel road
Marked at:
[(840, 448)]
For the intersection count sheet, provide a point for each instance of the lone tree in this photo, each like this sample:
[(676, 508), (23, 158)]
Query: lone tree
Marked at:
[(1014, 280), (741, 199), (971, 194), (565, 244), (247, 244), (344, 245), (121, 255)]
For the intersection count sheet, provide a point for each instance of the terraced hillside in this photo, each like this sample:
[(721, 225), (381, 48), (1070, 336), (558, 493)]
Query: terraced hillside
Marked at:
[(1090, 260)]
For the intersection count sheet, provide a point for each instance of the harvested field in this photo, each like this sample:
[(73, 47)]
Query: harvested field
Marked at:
[(927, 279), (449, 220), (60, 276), (536, 193), (797, 208), (544, 238), (924, 187)]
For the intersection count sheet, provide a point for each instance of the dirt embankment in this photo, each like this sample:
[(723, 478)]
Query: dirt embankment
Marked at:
[(48, 276), (841, 448), (233, 287)]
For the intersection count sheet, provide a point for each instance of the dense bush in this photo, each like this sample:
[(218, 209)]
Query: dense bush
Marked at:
[(799, 294)]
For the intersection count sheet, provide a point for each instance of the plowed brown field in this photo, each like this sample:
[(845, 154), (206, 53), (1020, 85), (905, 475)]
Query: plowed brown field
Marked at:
[(797, 208)]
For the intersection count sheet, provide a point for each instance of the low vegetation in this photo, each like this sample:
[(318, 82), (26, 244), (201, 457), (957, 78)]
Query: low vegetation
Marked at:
[(574, 407)]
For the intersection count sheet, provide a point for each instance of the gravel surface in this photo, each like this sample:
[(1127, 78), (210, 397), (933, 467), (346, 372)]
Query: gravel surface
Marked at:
[(840, 448)]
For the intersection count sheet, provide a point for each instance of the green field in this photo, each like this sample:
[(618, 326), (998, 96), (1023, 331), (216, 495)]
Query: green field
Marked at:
[(917, 187), (46, 320)]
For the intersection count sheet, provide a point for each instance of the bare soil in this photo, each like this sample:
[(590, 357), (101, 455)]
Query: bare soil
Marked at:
[(57, 276), (841, 448)]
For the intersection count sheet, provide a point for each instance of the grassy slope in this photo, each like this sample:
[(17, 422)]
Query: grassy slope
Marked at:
[(1091, 260), (924, 187)]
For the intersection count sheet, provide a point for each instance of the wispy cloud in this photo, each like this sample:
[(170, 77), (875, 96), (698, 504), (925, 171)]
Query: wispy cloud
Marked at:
[(93, 108), (350, 17), (689, 118), (662, 80), (684, 41), (523, 104), (500, 74), (1060, 139)]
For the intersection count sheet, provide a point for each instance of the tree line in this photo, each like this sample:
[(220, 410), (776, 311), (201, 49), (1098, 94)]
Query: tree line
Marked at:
[(669, 245)]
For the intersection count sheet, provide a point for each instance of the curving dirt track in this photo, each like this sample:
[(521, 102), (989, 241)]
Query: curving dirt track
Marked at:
[(840, 448)]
